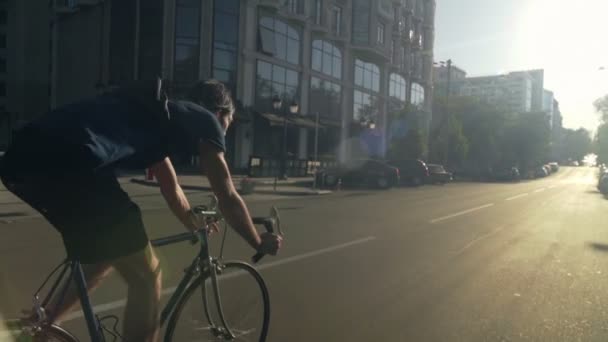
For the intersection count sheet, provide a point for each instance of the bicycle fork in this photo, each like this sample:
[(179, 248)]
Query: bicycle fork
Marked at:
[(216, 268)]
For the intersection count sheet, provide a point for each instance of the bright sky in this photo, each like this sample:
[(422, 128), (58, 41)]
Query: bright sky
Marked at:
[(569, 39)]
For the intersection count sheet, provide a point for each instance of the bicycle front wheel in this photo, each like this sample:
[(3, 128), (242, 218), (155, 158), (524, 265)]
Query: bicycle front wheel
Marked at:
[(242, 297), (20, 331)]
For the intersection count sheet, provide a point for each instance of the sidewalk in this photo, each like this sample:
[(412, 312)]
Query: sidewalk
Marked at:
[(298, 186)]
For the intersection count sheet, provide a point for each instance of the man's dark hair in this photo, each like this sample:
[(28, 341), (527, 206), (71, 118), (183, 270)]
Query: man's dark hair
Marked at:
[(213, 95)]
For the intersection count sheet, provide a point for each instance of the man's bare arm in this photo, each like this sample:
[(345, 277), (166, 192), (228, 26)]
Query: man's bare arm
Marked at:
[(230, 202), (173, 193)]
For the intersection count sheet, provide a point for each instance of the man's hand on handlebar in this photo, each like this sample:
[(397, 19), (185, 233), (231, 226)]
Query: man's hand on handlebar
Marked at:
[(271, 243)]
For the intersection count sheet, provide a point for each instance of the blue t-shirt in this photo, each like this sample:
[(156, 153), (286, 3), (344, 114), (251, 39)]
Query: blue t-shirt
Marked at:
[(118, 133)]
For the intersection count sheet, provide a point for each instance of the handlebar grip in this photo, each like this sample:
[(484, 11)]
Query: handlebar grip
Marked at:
[(257, 257), (268, 224)]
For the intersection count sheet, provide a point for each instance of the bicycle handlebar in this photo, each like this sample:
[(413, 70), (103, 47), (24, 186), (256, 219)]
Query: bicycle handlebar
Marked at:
[(270, 223)]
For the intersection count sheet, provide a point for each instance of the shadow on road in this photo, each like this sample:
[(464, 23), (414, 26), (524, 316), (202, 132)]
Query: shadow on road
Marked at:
[(602, 247), (359, 194), (12, 214), (290, 208)]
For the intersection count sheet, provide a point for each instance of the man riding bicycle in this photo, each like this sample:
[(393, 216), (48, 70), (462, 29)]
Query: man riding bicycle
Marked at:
[(63, 165)]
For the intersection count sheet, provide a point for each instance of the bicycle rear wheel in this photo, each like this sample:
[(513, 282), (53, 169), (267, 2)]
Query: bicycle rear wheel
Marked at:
[(18, 331), (244, 302)]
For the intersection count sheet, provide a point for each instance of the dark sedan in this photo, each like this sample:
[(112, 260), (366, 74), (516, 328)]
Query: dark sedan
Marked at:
[(363, 172), (438, 174)]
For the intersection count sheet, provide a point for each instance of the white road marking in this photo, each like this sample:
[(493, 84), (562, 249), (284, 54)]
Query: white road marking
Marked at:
[(461, 213), (480, 238), (516, 197), (539, 190), (120, 303)]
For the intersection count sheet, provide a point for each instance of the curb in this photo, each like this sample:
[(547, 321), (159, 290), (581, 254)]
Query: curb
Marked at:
[(264, 192)]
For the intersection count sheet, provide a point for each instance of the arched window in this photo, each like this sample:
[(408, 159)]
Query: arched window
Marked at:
[(367, 75), (397, 87), (326, 58), (417, 98), (279, 39)]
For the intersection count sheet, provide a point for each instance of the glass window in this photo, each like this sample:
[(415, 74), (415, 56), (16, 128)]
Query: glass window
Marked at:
[(2, 64), (363, 106), (326, 58), (367, 75), (278, 39), (225, 41), (360, 18), (2, 89), (397, 87), (2, 17), (337, 20), (380, 33), (275, 80), (318, 11), (187, 41), (417, 97), (325, 98), (295, 6)]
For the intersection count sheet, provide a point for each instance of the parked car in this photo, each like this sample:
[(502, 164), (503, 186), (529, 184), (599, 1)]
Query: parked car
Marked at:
[(359, 172), (506, 174), (412, 171), (602, 184), (554, 166), (438, 174), (541, 172)]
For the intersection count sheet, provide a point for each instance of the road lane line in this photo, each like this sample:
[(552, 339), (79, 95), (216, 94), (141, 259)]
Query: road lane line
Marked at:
[(479, 239), (516, 197), (120, 303), (539, 190), (468, 211)]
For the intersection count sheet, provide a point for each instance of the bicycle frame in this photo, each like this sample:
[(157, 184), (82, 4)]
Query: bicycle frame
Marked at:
[(202, 263)]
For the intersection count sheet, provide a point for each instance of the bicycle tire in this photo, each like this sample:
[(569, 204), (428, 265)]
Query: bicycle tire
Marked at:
[(252, 325), (14, 329)]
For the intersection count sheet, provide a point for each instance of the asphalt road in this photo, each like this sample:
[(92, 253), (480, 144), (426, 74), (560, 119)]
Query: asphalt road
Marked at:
[(463, 262)]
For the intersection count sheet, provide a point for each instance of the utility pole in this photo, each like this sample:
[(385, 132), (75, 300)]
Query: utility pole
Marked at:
[(447, 113), (314, 182)]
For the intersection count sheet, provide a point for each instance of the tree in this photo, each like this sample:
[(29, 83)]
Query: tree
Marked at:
[(601, 106), (575, 144), (406, 139)]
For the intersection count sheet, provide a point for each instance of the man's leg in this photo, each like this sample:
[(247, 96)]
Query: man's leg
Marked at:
[(141, 271), (94, 275)]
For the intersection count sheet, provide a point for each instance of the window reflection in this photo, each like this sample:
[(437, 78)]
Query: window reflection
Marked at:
[(278, 39), (326, 58), (274, 80), (367, 75), (397, 87), (187, 40), (325, 97), (417, 98)]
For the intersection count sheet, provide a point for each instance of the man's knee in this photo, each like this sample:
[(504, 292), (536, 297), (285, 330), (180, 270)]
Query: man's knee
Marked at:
[(141, 269)]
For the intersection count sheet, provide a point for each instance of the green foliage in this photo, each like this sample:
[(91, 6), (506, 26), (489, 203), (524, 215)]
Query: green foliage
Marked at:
[(483, 135), (574, 144), (409, 144), (601, 106)]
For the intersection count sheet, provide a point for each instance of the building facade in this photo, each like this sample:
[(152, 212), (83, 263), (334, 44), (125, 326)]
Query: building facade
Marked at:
[(519, 91), (348, 64), (456, 79)]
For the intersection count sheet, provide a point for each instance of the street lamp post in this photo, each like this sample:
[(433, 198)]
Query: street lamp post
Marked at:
[(293, 109), (447, 64), (276, 105)]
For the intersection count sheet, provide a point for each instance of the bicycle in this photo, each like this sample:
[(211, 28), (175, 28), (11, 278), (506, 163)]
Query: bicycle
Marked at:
[(208, 323)]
